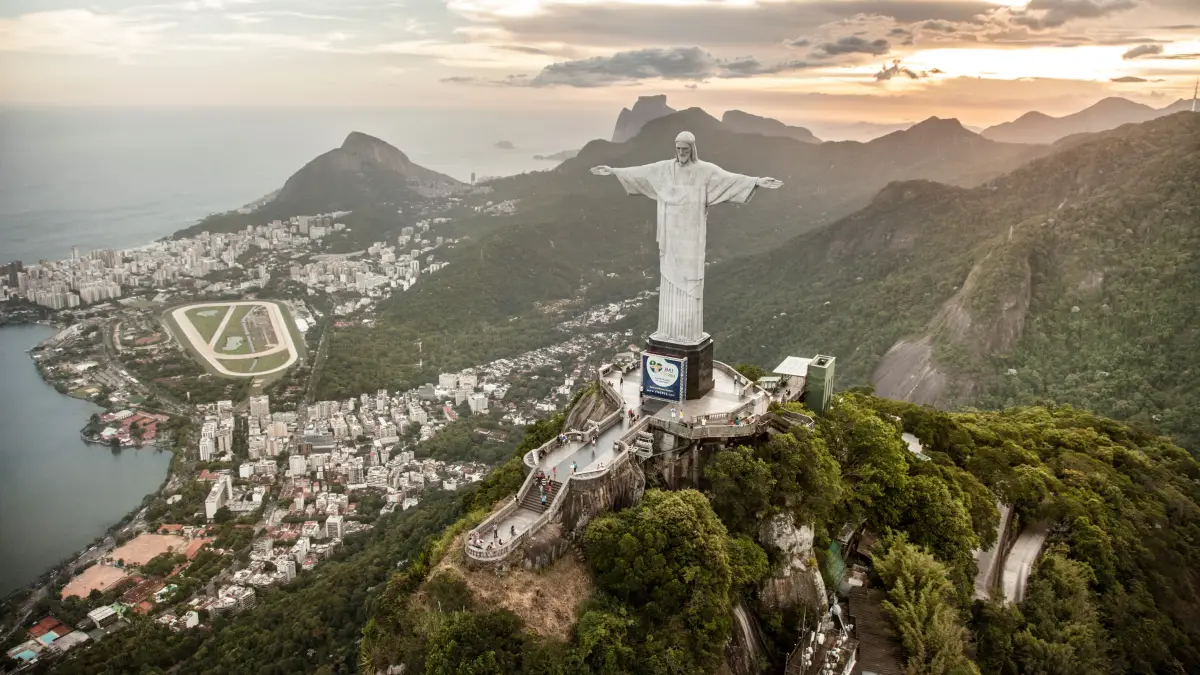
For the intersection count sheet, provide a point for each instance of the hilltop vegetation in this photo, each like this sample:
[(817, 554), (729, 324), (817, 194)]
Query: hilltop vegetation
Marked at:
[(1074, 279), (1116, 593)]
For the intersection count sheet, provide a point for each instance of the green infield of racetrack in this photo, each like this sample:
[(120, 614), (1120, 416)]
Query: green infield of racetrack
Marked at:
[(239, 365), (234, 329), (207, 325)]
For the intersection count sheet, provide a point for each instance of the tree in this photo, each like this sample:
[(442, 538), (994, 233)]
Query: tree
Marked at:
[(604, 640), (668, 559), (742, 487), (1063, 634), (808, 480), (751, 371), (872, 455), (223, 515), (477, 644), (918, 604)]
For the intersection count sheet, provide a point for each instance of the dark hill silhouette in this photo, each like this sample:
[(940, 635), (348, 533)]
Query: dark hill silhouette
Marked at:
[(746, 123)]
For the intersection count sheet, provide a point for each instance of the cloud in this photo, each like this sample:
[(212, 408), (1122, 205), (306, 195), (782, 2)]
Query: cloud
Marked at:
[(713, 23), (1180, 57), (1044, 14), (1142, 50), (522, 49), (853, 44), (81, 32), (797, 42), (666, 63), (888, 72), (1129, 79)]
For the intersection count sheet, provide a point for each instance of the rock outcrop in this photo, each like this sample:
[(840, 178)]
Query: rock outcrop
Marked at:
[(631, 121), (744, 652), (619, 488), (798, 580)]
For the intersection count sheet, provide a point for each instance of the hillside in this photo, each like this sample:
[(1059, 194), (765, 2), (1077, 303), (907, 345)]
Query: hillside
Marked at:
[(1073, 279), (365, 175), (746, 123), (572, 229), (1108, 113), (1114, 592)]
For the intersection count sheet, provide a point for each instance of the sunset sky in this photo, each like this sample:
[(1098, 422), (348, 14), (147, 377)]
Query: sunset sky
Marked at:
[(873, 60)]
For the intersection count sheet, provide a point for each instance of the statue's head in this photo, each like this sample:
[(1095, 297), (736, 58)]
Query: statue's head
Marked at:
[(685, 147)]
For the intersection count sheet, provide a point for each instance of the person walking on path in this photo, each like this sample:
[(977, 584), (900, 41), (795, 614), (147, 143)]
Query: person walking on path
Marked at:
[(512, 529), (555, 474), (543, 499)]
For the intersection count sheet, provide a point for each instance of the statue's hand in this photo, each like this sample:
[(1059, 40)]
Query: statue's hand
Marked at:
[(602, 170), (765, 182)]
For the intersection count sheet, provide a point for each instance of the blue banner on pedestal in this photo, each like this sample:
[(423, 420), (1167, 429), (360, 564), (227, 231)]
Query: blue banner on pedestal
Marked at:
[(664, 377)]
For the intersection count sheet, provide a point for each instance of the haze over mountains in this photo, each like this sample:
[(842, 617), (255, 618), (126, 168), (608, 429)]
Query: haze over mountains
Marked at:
[(1108, 113), (941, 265)]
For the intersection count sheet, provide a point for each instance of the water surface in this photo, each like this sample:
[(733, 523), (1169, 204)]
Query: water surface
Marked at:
[(57, 493)]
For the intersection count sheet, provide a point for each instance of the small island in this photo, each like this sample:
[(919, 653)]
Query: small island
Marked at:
[(505, 145)]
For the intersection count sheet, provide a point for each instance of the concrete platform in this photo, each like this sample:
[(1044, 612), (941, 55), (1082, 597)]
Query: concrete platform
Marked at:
[(724, 398)]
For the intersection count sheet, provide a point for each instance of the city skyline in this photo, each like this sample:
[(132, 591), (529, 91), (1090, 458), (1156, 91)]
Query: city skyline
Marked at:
[(871, 60)]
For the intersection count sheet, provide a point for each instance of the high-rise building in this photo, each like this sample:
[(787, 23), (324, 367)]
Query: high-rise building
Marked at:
[(478, 403), (333, 527), (260, 406)]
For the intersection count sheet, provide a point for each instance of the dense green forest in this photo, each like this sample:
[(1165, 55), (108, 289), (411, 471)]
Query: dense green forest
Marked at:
[(1116, 591)]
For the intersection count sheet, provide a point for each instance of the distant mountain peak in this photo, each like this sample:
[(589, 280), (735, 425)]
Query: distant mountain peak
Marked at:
[(645, 109), (375, 150), (1107, 113), (942, 124)]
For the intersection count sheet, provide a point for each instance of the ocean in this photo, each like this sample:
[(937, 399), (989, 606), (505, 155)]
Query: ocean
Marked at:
[(122, 177)]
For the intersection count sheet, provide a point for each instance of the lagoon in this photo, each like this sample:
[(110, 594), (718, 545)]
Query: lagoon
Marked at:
[(57, 493)]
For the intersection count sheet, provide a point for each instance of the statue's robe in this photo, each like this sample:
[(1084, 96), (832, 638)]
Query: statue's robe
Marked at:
[(683, 192)]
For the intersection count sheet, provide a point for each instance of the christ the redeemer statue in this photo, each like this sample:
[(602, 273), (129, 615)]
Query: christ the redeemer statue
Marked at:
[(684, 188)]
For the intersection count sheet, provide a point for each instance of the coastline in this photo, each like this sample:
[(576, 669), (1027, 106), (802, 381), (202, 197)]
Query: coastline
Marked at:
[(22, 598)]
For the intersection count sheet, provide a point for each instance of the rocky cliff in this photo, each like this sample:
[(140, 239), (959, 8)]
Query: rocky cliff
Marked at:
[(631, 121), (798, 580)]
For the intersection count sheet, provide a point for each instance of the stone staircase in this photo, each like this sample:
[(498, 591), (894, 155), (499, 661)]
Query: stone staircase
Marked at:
[(533, 500)]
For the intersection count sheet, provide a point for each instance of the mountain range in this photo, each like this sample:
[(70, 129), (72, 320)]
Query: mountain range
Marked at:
[(938, 265), (1108, 113)]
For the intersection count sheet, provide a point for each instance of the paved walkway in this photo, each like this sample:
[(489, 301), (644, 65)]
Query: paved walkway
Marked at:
[(724, 397)]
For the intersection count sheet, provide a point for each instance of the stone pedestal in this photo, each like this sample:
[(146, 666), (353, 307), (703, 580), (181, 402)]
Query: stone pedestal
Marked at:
[(699, 363)]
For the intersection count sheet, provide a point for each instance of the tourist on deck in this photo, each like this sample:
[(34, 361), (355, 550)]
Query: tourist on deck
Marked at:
[(512, 529), (489, 547), (543, 499)]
